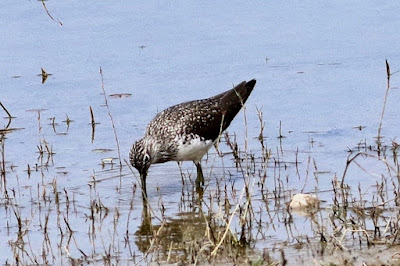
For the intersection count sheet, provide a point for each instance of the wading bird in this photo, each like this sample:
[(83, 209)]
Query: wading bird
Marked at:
[(186, 131)]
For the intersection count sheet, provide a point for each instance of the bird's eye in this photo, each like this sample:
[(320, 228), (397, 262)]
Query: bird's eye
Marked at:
[(146, 158)]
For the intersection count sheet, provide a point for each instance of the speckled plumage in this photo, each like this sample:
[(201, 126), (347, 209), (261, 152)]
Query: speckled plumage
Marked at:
[(185, 132)]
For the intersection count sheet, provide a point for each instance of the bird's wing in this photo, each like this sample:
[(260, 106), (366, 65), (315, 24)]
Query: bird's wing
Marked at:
[(206, 118)]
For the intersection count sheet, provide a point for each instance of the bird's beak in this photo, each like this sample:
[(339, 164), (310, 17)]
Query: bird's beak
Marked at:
[(143, 176)]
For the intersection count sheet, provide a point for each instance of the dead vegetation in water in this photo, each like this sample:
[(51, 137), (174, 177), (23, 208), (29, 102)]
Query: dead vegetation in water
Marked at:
[(241, 217), (48, 13)]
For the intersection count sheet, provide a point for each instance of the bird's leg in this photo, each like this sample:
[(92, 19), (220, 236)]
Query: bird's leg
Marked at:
[(199, 180), (200, 177)]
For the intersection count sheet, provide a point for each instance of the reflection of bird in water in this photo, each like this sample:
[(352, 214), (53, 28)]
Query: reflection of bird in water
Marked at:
[(183, 234), (181, 230), (186, 131)]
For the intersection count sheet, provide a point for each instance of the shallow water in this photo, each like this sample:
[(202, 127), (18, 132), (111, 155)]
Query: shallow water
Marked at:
[(320, 70)]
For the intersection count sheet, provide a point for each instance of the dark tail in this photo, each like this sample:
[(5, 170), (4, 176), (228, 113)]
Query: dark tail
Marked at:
[(244, 89), (238, 95), (233, 100)]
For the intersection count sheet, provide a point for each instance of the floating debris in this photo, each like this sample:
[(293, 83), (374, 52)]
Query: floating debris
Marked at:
[(62, 172), (360, 127), (329, 64), (120, 95), (36, 110), (102, 150), (7, 130), (109, 160)]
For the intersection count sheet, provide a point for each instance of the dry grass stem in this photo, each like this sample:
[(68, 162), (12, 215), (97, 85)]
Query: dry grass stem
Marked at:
[(48, 13), (388, 74), (111, 118)]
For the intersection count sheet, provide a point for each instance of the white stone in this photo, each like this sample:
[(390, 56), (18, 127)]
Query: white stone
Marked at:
[(303, 201)]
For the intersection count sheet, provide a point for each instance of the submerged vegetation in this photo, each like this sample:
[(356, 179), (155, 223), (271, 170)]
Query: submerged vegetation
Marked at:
[(242, 216)]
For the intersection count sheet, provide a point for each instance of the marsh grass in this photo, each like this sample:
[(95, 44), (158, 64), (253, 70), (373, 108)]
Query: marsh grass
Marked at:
[(241, 217)]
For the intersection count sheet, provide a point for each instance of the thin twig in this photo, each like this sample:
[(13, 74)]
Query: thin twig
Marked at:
[(9, 115), (349, 160), (384, 103), (112, 120), (227, 228), (50, 16), (216, 144), (93, 122)]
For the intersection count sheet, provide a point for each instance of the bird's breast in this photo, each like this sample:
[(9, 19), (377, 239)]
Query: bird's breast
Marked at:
[(191, 147)]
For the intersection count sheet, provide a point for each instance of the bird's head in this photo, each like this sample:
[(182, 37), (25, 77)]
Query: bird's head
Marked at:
[(141, 158)]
